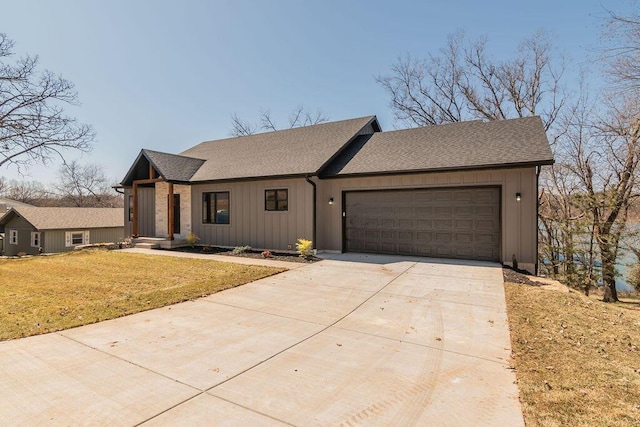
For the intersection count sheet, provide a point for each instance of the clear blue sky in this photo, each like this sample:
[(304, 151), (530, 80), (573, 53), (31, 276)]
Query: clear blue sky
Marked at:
[(167, 75)]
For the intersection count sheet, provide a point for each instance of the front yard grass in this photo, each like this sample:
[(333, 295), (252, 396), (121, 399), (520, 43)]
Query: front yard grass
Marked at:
[(577, 359), (50, 293)]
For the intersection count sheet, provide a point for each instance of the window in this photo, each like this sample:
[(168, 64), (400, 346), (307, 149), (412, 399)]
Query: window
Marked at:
[(35, 239), (13, 237), (130, 208), (215, 207), (276, 200), (77, 238), (73, 238)]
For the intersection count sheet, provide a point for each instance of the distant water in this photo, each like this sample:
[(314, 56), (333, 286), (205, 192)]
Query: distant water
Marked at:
[(623, 267)]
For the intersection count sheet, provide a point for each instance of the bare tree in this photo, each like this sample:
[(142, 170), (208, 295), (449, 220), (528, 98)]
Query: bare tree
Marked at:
[(622, 53), (587, 194), (462, 83), (31, 192), (33, 126), (85, 186), (299, 117)]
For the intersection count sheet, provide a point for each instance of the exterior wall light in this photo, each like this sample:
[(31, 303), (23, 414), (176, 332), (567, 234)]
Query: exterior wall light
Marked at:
[(331, 201), (518, 197)]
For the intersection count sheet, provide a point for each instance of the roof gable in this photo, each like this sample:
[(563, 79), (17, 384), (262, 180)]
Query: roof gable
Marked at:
[(455, 146), (170, 167), (289, 152), (67, 218)]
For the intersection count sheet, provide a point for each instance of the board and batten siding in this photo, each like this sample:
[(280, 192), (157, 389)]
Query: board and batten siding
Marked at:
[(518, 220), (249, 223), (24, 229), (54, 240), (146, 212)]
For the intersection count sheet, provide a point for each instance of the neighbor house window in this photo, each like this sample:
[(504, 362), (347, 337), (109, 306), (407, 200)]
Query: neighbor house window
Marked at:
[(276, 200), (73, 238), (35, 239), (130, 208), (215, 207), (13, 237)]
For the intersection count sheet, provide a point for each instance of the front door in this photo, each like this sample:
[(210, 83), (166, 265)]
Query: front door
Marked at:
[(176, 214)]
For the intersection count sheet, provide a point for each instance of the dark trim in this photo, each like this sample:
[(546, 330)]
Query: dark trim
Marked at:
[(343, 212), (212, 215), (315, 209), (537, 231), (133, 165), (373, 122), (276, 200), (440, 170), (252, 178), (455, 187)]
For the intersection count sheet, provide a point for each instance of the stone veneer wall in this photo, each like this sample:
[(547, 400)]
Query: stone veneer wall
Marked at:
[(162, 191)]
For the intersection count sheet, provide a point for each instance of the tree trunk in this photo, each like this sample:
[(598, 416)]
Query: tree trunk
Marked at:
[(609, 278)]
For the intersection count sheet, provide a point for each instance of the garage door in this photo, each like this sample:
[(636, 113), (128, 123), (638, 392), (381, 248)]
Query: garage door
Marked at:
[(449, 223)]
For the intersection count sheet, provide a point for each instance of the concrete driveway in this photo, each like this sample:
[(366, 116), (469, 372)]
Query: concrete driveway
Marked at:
[(356, 340)]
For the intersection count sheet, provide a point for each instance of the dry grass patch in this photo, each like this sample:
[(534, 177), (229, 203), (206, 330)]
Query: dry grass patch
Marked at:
[(577, 359), (45, 294)]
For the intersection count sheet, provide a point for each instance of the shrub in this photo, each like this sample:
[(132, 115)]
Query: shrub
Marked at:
[(633, 278), (127, 242), (192, 239), (305, 248), (240, 249)]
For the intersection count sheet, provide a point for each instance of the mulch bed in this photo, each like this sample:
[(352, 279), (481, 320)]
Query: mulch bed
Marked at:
[(518, 276), (216, 250)]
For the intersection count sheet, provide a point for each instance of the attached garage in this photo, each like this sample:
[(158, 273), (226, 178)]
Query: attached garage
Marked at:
[(443, 222)]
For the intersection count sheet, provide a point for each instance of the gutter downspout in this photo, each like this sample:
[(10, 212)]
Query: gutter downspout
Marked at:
[(538, 169), (315, 205)]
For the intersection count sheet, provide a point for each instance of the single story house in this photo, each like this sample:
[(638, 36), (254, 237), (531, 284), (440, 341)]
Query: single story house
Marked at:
[(27, 229), (463, 190)]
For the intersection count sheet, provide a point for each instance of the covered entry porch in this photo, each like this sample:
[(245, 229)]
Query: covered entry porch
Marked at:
[(158, 208)]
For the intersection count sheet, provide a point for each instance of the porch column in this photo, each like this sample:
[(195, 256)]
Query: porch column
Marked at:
[(134, 230), (170, 213)]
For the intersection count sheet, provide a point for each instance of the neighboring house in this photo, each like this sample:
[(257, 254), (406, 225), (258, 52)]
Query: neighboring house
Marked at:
[(27, 229), (464, 190), (5, 205)]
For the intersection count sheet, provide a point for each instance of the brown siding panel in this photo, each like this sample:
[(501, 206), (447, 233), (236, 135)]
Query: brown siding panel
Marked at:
[(518, 221), (249, 223)]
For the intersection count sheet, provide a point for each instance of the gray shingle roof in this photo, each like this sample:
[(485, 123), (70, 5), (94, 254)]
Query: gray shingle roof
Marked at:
[(453, 146), (9, 203), (297, 151), (68, 218), (173, 167)]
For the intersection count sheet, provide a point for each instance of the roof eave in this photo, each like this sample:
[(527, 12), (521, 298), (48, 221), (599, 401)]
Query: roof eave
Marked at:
[(445, 169), (14, 213), (253, 178)]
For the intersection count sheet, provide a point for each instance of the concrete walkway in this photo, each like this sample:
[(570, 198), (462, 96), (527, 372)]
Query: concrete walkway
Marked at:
[(362, 340), (221, 258)]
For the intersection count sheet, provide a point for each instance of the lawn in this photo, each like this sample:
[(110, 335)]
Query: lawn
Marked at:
[(577, 359), (49, 293)]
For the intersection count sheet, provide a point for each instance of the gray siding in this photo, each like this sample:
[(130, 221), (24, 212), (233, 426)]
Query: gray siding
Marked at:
[(146, 212), (249, 223), (54, 240), (24, 237)]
